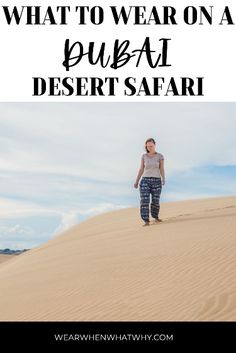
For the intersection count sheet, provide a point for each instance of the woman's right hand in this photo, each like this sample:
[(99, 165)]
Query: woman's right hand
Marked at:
[(136, 185)]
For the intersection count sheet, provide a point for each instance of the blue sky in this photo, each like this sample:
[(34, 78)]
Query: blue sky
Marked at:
[(61, 163)]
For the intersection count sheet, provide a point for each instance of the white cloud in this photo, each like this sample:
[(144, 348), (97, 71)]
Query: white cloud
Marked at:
[(17, 229), (67, 221), (106, 140), (72, 217), (17, 236), (105, 207), (20, 209)]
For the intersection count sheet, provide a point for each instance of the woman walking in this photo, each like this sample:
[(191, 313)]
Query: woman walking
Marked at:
[(153, 177)]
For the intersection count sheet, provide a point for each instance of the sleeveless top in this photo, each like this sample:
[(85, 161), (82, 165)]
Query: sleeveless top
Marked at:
[(151, 165)]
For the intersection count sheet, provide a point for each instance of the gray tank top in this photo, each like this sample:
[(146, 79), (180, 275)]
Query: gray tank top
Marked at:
[(151, 165)]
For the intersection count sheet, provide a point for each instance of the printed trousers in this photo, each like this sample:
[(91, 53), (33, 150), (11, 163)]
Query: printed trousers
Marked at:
[(150, 186)]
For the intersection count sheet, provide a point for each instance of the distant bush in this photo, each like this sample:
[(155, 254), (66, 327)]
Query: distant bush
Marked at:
[(8, 251)]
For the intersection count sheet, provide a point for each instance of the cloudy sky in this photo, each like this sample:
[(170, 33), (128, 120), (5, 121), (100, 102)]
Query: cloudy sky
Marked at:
[(62, 163)]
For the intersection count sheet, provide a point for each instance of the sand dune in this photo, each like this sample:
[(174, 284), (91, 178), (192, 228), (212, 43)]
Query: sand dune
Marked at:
[(111, 268), (4, 258)]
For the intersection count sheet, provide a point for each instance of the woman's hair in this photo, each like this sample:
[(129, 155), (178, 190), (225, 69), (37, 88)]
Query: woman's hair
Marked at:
[(149, 140)]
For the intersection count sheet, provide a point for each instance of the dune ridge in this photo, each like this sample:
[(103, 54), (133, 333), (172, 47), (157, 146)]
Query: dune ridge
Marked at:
[(110, 268)]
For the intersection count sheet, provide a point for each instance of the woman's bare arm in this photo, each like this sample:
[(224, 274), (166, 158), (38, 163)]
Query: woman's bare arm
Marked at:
[(162, 171), (140, 172)]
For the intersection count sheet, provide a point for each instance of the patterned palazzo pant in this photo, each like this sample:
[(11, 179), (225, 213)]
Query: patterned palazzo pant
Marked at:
[(150, 186)]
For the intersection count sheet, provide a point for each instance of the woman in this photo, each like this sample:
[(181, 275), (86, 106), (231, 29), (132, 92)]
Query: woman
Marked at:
[(153, 177)]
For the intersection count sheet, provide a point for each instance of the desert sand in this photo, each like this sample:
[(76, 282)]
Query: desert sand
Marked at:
[(111, 268), (4, 258)]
